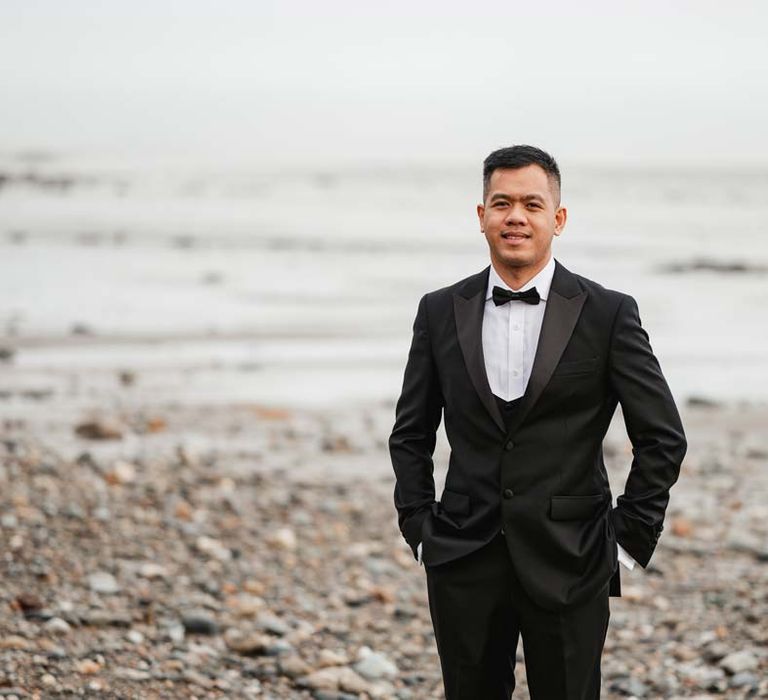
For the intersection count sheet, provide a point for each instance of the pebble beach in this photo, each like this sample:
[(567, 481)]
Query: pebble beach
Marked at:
[(196, 496)]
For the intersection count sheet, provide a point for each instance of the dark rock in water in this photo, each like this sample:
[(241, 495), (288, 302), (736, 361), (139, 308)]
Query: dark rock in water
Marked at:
[(99, 430), (702, 402), (127, 377), (6, 354), (81, 329), (704, 265), (199, 623)]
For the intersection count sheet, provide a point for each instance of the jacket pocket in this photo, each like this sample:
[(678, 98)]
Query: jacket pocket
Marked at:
[(455, 503), (576, 367), (576, 507)]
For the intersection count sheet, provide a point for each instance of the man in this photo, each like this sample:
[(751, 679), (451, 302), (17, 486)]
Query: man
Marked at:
[(527, 362)]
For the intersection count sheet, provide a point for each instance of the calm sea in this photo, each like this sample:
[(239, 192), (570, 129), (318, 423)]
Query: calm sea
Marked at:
[(299, 287)]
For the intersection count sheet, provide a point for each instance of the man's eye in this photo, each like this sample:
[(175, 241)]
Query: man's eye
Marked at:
[(533, 205), (498, 205)]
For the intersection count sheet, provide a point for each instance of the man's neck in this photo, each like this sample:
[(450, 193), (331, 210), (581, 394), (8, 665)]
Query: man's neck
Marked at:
[(518, 277)]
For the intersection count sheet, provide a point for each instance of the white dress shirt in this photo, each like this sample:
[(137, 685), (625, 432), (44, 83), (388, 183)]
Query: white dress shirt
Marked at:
[(510, 337)]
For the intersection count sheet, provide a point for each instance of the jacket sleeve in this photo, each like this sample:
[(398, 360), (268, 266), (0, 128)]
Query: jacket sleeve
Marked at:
[(412, 443), (654, 428)]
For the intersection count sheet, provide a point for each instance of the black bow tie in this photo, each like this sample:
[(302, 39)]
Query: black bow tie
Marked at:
[(502, 296)]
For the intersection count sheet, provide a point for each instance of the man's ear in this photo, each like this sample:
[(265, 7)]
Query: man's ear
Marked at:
[(561, 216), (480, 215)]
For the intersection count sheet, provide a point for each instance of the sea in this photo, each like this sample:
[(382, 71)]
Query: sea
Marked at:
[(297, 286)]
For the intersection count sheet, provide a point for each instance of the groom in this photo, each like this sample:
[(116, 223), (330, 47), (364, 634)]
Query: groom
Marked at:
[(526, 363)]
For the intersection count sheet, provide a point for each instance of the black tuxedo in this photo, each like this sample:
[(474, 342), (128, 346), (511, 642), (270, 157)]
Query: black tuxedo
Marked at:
[(542, 479)]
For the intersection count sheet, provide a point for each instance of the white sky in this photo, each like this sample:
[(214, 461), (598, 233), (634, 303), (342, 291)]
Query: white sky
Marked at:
[(332, 80)]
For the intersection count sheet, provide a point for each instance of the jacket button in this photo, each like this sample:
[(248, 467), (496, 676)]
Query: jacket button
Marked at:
[(508, 493), (509, 445)]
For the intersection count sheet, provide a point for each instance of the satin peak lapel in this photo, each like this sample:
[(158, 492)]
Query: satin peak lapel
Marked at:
[(564, 304), (468, 308)]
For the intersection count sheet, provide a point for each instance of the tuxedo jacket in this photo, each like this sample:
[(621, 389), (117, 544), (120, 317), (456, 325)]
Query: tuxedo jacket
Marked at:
[(543, 481)]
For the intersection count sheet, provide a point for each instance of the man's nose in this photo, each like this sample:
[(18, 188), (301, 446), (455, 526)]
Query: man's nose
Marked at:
[(515, 215)]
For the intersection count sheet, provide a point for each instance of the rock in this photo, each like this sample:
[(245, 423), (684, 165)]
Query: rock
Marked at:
[(738, 662), (57, 626), (682, 527), (373, 665), (272, 624), (199, 623), (48, 679), (100, 429), (629, 686), (127, 377), (29, 603), (103, 582), (176, 633), (283, 538), (106, 618), (247, 643), (121, 473), (132, 674), (135, 637), (151, 570), (87, 667), (335, 678), (213, 548), (293, 666), (14, 641), (326, 657), (745, 679)]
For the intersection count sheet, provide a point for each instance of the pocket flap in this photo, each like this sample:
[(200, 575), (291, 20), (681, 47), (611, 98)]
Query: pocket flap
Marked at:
[(576, 366), (576, 507), (454, 502)]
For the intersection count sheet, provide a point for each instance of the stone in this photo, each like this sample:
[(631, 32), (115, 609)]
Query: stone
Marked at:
[(57, 626), (247, 643), (335, 678), (373, 665), (282, 538), (293, 666), (87, 667), (213, 548), (100, 429), (739, 661), (629, 686), (151, 570), (199, 623), (103, 582)]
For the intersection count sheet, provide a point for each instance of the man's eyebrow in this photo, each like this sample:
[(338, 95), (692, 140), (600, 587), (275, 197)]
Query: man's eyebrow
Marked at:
[(525, 197)]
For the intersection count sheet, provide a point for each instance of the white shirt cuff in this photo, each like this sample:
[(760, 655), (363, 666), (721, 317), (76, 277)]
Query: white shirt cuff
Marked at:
[(418, 552), (625, 558)]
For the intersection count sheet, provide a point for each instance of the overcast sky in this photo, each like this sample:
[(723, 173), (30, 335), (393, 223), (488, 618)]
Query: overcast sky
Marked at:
[(332, 80)]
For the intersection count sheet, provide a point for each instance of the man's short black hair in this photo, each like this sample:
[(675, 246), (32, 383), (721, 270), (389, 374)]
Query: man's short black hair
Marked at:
[(515, 157)]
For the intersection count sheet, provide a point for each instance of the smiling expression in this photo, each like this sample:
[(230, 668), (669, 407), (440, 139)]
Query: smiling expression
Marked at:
[(520, 216)]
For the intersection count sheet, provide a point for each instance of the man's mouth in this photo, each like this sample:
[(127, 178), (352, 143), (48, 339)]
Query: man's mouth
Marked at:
[(515, 235)]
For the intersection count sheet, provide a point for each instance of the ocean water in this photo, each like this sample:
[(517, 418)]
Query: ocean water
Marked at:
[(296, 287)]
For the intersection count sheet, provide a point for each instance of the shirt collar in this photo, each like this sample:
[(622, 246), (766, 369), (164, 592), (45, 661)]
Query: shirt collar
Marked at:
[(542, 281)]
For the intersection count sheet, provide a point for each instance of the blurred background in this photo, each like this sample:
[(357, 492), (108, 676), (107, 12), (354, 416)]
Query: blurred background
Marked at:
[(216, 221)]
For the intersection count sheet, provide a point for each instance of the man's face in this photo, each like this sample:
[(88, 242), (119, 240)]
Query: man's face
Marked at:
[(519, 217)]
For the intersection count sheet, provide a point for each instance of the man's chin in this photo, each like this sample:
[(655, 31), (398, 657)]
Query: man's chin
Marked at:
[(514, 260)]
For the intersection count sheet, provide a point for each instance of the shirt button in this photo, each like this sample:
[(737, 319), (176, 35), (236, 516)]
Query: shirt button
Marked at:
[(516, 373), (508, 493), (509, 445), (516, 327)]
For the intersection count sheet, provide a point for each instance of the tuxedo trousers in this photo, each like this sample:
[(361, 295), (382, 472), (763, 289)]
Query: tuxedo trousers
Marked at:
[(479, 612)]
